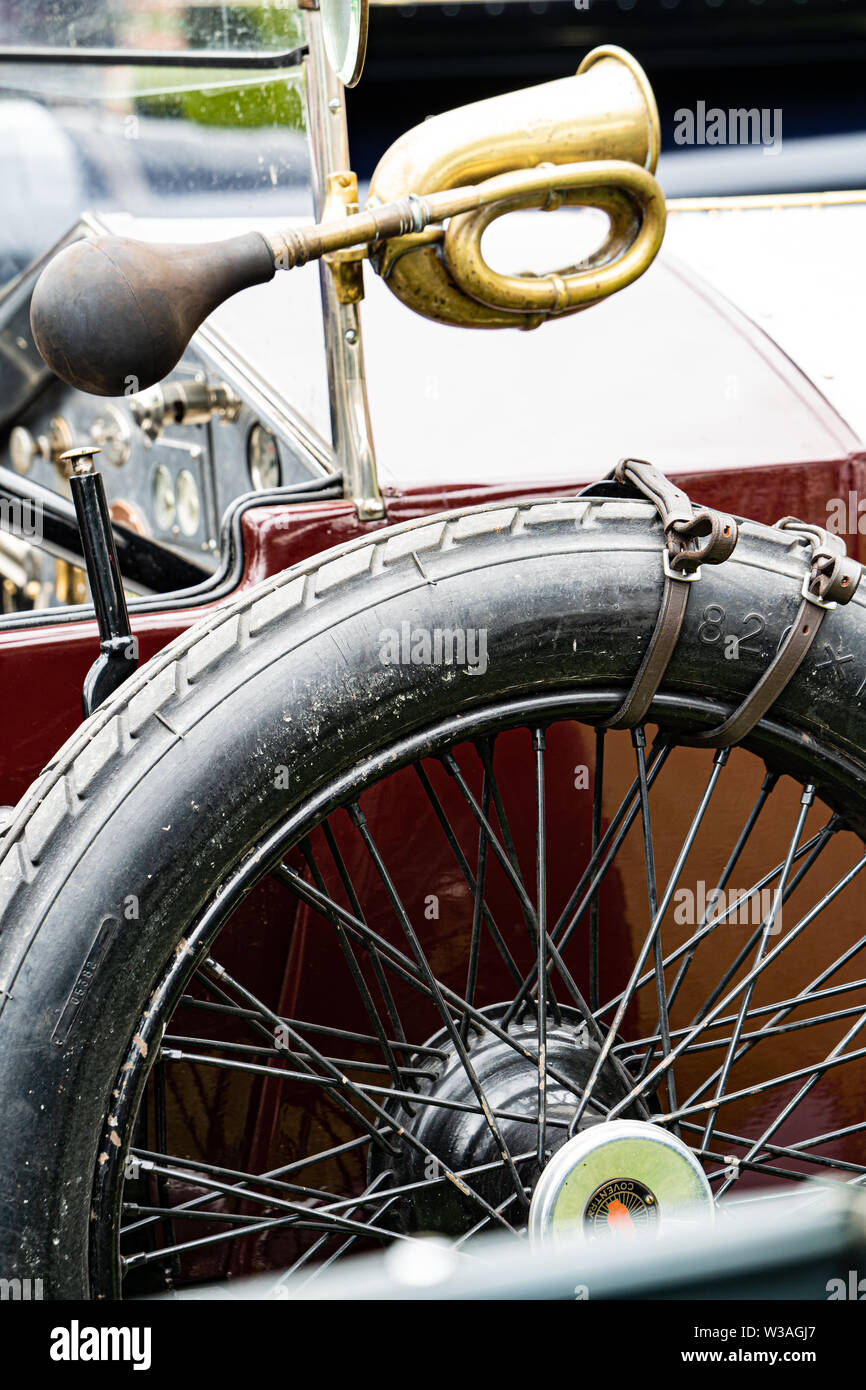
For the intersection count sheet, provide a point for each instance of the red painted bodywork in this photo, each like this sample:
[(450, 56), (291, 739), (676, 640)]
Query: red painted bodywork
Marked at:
[(44, 666)]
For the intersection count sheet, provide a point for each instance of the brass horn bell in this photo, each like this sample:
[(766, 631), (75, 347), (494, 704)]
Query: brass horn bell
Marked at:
[(599, 127)]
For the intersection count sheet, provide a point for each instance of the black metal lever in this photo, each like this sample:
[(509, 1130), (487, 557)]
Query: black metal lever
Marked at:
[(118, 648)]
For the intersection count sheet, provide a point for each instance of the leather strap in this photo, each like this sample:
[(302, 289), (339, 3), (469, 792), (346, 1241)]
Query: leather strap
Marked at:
[(833, 578), (693, 536), (675, 596), (780, 670)]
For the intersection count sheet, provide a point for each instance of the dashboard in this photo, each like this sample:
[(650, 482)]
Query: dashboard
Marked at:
[(173, 458)]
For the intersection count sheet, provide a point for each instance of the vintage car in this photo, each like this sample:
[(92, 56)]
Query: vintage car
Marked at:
[(465, 828)]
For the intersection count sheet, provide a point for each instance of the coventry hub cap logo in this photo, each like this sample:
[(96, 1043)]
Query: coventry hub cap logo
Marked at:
[(621, 1207)]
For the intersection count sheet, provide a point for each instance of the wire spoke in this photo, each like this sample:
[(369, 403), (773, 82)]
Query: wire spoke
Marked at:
[(507, 856), (597, 867), (477, 902), (360, 822), (760, 1034), (306, 1084), (815, 1072), (468, 876), (706, 927), (764, 1169), (808, 992), (766, 931), (375, 958), (541, 910), (639, 745), (818, 843), (405, 1136), (341, 1034), (636, 1092), (529, 914), (313, 1221), (405, 1075), (796, 1151), (608, 847), (319, 1244), (211, 974), (298, 1165), (354, 969), (709, 1018), (310, 1161), (482, 1224), (836, 1057), (418, 1099), (767, 786), (403, 966)]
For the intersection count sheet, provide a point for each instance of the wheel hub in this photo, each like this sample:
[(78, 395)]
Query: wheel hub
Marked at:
[(461, 1138)]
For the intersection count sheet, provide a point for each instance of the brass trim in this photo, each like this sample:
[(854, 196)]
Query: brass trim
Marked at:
[(766, 201)]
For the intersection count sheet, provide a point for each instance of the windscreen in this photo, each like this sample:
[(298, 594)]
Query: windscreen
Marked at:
[(171, 142), (239, 26)]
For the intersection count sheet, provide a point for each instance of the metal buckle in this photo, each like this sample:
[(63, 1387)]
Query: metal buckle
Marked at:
[(676, 574), (810, 598)]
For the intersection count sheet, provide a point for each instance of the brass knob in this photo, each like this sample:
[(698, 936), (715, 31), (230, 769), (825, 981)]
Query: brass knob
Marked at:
[(80, 459)]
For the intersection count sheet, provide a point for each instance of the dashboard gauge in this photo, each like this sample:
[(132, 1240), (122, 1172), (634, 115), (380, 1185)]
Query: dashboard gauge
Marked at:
[(162, 491), (263, 459), (188, 504), (111, 431)]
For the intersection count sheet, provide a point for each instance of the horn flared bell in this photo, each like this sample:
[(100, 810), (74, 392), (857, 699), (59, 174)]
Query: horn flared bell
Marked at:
[(603, 117)]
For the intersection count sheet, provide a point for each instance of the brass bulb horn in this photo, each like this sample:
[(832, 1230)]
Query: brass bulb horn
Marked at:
[(112, 316), (599, 129)]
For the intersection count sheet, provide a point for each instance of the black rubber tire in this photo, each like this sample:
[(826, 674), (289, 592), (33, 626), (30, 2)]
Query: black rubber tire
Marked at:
[(167, 786)]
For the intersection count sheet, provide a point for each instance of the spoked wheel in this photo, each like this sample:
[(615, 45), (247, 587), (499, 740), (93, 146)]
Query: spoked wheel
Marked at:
[(312, 944)]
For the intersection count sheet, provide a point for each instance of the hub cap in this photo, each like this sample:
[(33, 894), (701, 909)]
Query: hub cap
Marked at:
[(619, 1178)]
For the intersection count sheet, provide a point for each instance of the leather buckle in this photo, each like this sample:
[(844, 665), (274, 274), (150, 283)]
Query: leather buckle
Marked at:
[(682, 575), (811, 598)]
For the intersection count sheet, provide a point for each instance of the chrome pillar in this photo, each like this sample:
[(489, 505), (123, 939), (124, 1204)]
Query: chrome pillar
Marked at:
[(350, 412)]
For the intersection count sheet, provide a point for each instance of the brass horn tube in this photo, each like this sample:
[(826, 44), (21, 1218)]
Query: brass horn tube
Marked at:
[(630, 196)]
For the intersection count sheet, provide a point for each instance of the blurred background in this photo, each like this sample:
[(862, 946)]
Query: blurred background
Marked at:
[(804, 57)]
